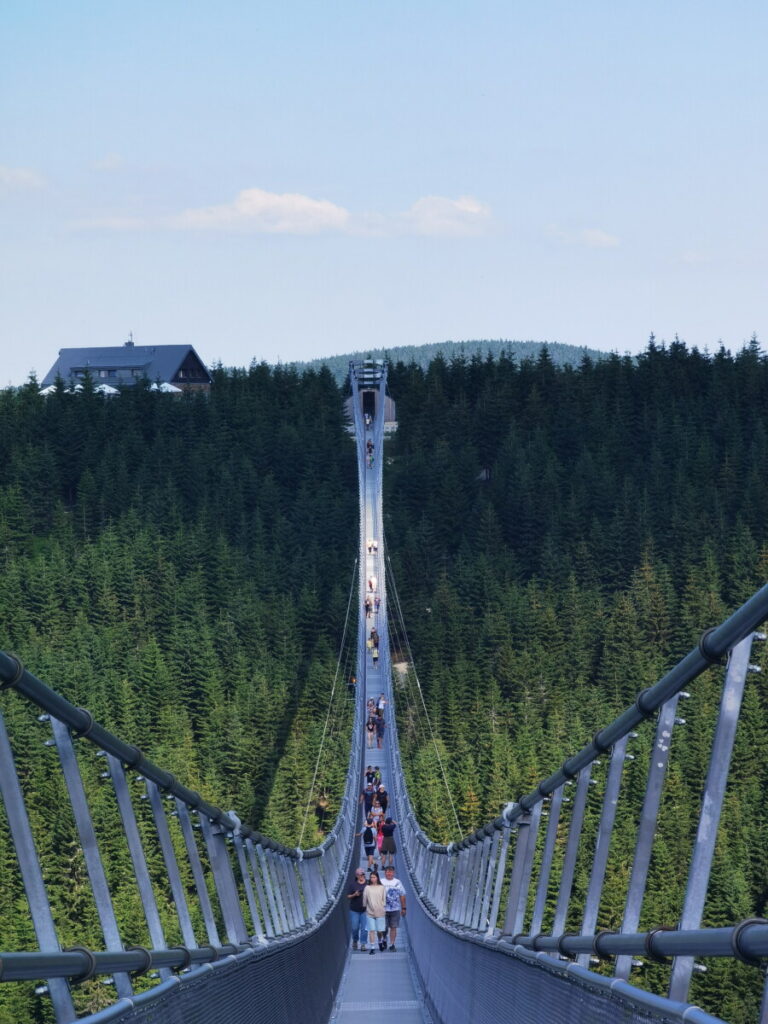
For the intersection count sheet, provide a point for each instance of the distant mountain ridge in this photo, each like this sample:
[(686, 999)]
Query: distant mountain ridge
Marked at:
[(423, 355)]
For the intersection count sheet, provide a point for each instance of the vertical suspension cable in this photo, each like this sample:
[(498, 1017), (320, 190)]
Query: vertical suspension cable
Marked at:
[(398, 606), (330, 704)]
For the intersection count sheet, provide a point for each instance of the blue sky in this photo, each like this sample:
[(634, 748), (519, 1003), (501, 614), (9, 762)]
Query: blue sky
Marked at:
[(298, 180)]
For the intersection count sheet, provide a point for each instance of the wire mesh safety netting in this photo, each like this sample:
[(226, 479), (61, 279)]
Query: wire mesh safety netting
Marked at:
[(293, 981), (466, 981)]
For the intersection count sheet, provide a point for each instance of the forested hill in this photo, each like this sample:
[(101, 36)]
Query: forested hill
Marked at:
[(181, 566), (559, 538), (422, 355)]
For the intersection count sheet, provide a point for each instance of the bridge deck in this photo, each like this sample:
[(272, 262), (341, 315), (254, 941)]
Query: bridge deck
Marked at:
[(384, 984)]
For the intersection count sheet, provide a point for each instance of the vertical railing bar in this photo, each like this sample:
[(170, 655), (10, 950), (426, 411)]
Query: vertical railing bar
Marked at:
[(279, 873), (523, 844), (465, 859), (292, 891), (483, 873), (646, 831), (443, 884), (603, 843), (307, 883), (475, 852), (711, 808), (482, 921), (266, 873), (546, 860), (138, 859), (498, 885), (457, 885), (258, 930), (572, 850), (171, 864), (522, 868), (102, 897), (224, 880), (262, 896), (525, 881), (198, 875), (31, 875)]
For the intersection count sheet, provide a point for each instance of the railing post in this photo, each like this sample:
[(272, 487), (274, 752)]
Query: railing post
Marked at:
[(31, 875), (215, 836), (525, 846), (269, 872), (99, 887), (645, 835), (247, 885), (571, 850), (711, 807), (501, 867), (546, 860), (484, 904), (602, 846), (136, 851), (269, 926), (171, 864), (193, 854)]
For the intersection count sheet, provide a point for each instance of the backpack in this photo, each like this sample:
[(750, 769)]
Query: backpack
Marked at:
[(368, 839)]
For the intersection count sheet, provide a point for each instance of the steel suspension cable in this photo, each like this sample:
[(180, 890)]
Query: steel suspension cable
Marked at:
[(352, 589), (399, 611)]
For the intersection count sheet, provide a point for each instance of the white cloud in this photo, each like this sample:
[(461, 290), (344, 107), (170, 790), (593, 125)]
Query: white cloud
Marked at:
[(436, 215), (256, 210), (19, 178), (592, 238)]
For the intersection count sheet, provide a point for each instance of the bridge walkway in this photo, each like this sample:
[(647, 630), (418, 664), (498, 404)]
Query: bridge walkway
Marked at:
[(382, 987)]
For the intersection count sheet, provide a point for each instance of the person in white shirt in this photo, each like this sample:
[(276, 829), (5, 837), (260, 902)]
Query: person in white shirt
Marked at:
[(394, 903)]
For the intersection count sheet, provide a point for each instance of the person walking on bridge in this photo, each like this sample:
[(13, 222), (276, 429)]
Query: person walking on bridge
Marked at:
[(394, 904), (357, 915), (374, 898)]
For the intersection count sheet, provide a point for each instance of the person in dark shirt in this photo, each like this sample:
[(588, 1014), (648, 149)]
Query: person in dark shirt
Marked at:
[(388, 848), (366, 798), (357, 914)]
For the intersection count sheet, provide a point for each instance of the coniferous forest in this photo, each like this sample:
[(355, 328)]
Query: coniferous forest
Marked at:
[(559, 537)]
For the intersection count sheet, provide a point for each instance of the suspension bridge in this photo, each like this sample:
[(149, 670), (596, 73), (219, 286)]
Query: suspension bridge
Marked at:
[(495, 930)]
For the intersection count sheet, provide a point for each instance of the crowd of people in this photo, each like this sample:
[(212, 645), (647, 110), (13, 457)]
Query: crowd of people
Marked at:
[(376, 904), (375, 726)]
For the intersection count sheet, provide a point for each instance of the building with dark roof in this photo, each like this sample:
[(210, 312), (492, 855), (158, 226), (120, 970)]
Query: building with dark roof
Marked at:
[(126, 364)]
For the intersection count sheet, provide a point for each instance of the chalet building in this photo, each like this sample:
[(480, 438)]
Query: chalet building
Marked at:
[(123, 365)]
